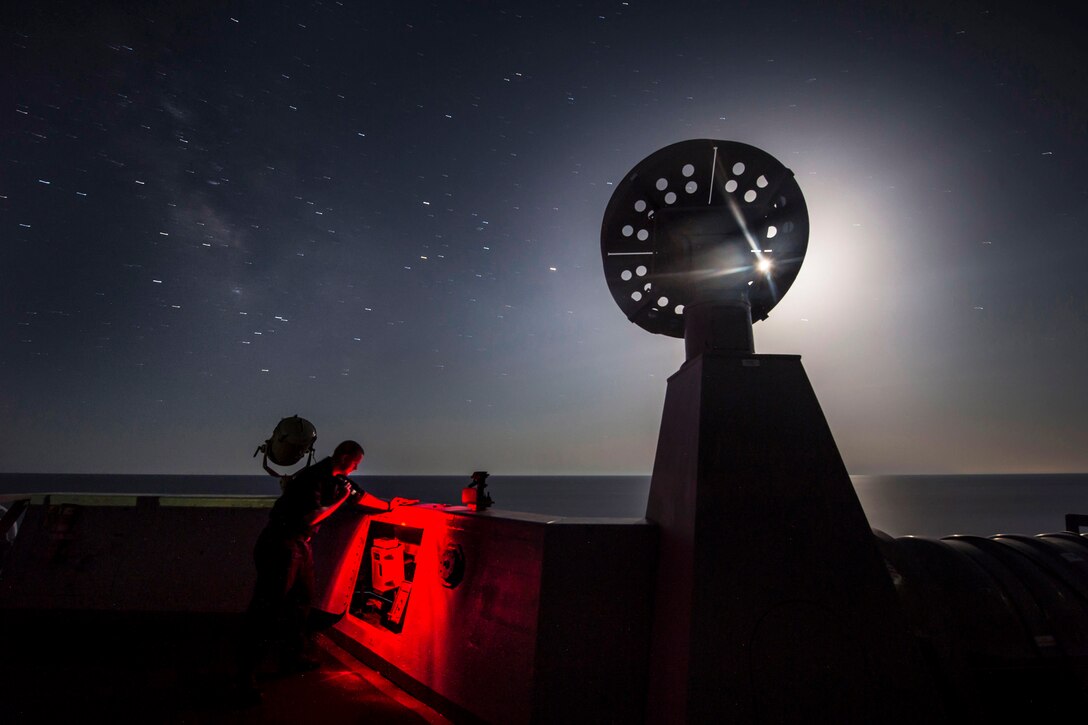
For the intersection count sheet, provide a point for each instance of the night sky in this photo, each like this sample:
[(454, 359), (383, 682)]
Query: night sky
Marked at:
[(385, 217)]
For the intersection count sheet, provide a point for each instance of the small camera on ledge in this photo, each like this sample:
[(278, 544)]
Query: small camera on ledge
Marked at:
[(475, 495)]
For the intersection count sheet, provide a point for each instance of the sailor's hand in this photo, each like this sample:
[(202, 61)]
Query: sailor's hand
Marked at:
[(398, 501)]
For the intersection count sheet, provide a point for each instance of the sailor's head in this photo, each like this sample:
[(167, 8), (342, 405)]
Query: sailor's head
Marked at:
[(346, 458)]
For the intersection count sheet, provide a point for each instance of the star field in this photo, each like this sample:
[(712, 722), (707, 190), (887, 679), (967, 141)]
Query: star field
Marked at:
[(386, 217)]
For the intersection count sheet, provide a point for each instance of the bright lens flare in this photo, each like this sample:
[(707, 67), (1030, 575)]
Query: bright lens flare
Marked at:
[(764, 266)]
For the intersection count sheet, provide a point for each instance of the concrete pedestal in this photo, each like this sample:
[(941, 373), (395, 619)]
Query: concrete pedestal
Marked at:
[(772, 602)]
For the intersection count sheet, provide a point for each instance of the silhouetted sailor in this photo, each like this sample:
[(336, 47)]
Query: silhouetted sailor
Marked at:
[(285, 572)]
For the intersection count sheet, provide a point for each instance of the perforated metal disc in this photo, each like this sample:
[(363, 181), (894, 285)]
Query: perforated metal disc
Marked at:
[(700, 221)]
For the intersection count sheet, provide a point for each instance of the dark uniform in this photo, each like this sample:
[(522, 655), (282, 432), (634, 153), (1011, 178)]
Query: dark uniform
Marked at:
[(285, 570)]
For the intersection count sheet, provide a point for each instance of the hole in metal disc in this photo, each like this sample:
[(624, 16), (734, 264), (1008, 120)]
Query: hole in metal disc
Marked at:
[(626, 275), (647, 286), (761, 182), (688, 170), (640, 205), (662, 184), (670, 198), (738, 168), (627, 230), (679, 309), (662, 301), (771, 231), (691, 187), (636, 295), (640, 270), (643, 235), (750, 195), (731, 185)]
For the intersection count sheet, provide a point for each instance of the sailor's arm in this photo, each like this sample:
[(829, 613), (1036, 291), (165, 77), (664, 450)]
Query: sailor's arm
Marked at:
[(321, 513), (370, 501)]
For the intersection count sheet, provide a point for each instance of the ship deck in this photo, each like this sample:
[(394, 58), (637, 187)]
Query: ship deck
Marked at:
[(176, 669)]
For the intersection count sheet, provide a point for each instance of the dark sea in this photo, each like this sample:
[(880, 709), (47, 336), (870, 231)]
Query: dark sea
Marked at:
[(931, 506)]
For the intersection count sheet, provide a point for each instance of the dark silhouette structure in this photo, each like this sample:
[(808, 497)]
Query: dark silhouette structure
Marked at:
[(773, 596)]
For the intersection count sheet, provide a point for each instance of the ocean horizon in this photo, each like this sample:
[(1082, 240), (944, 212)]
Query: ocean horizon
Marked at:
[(931, 505)]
